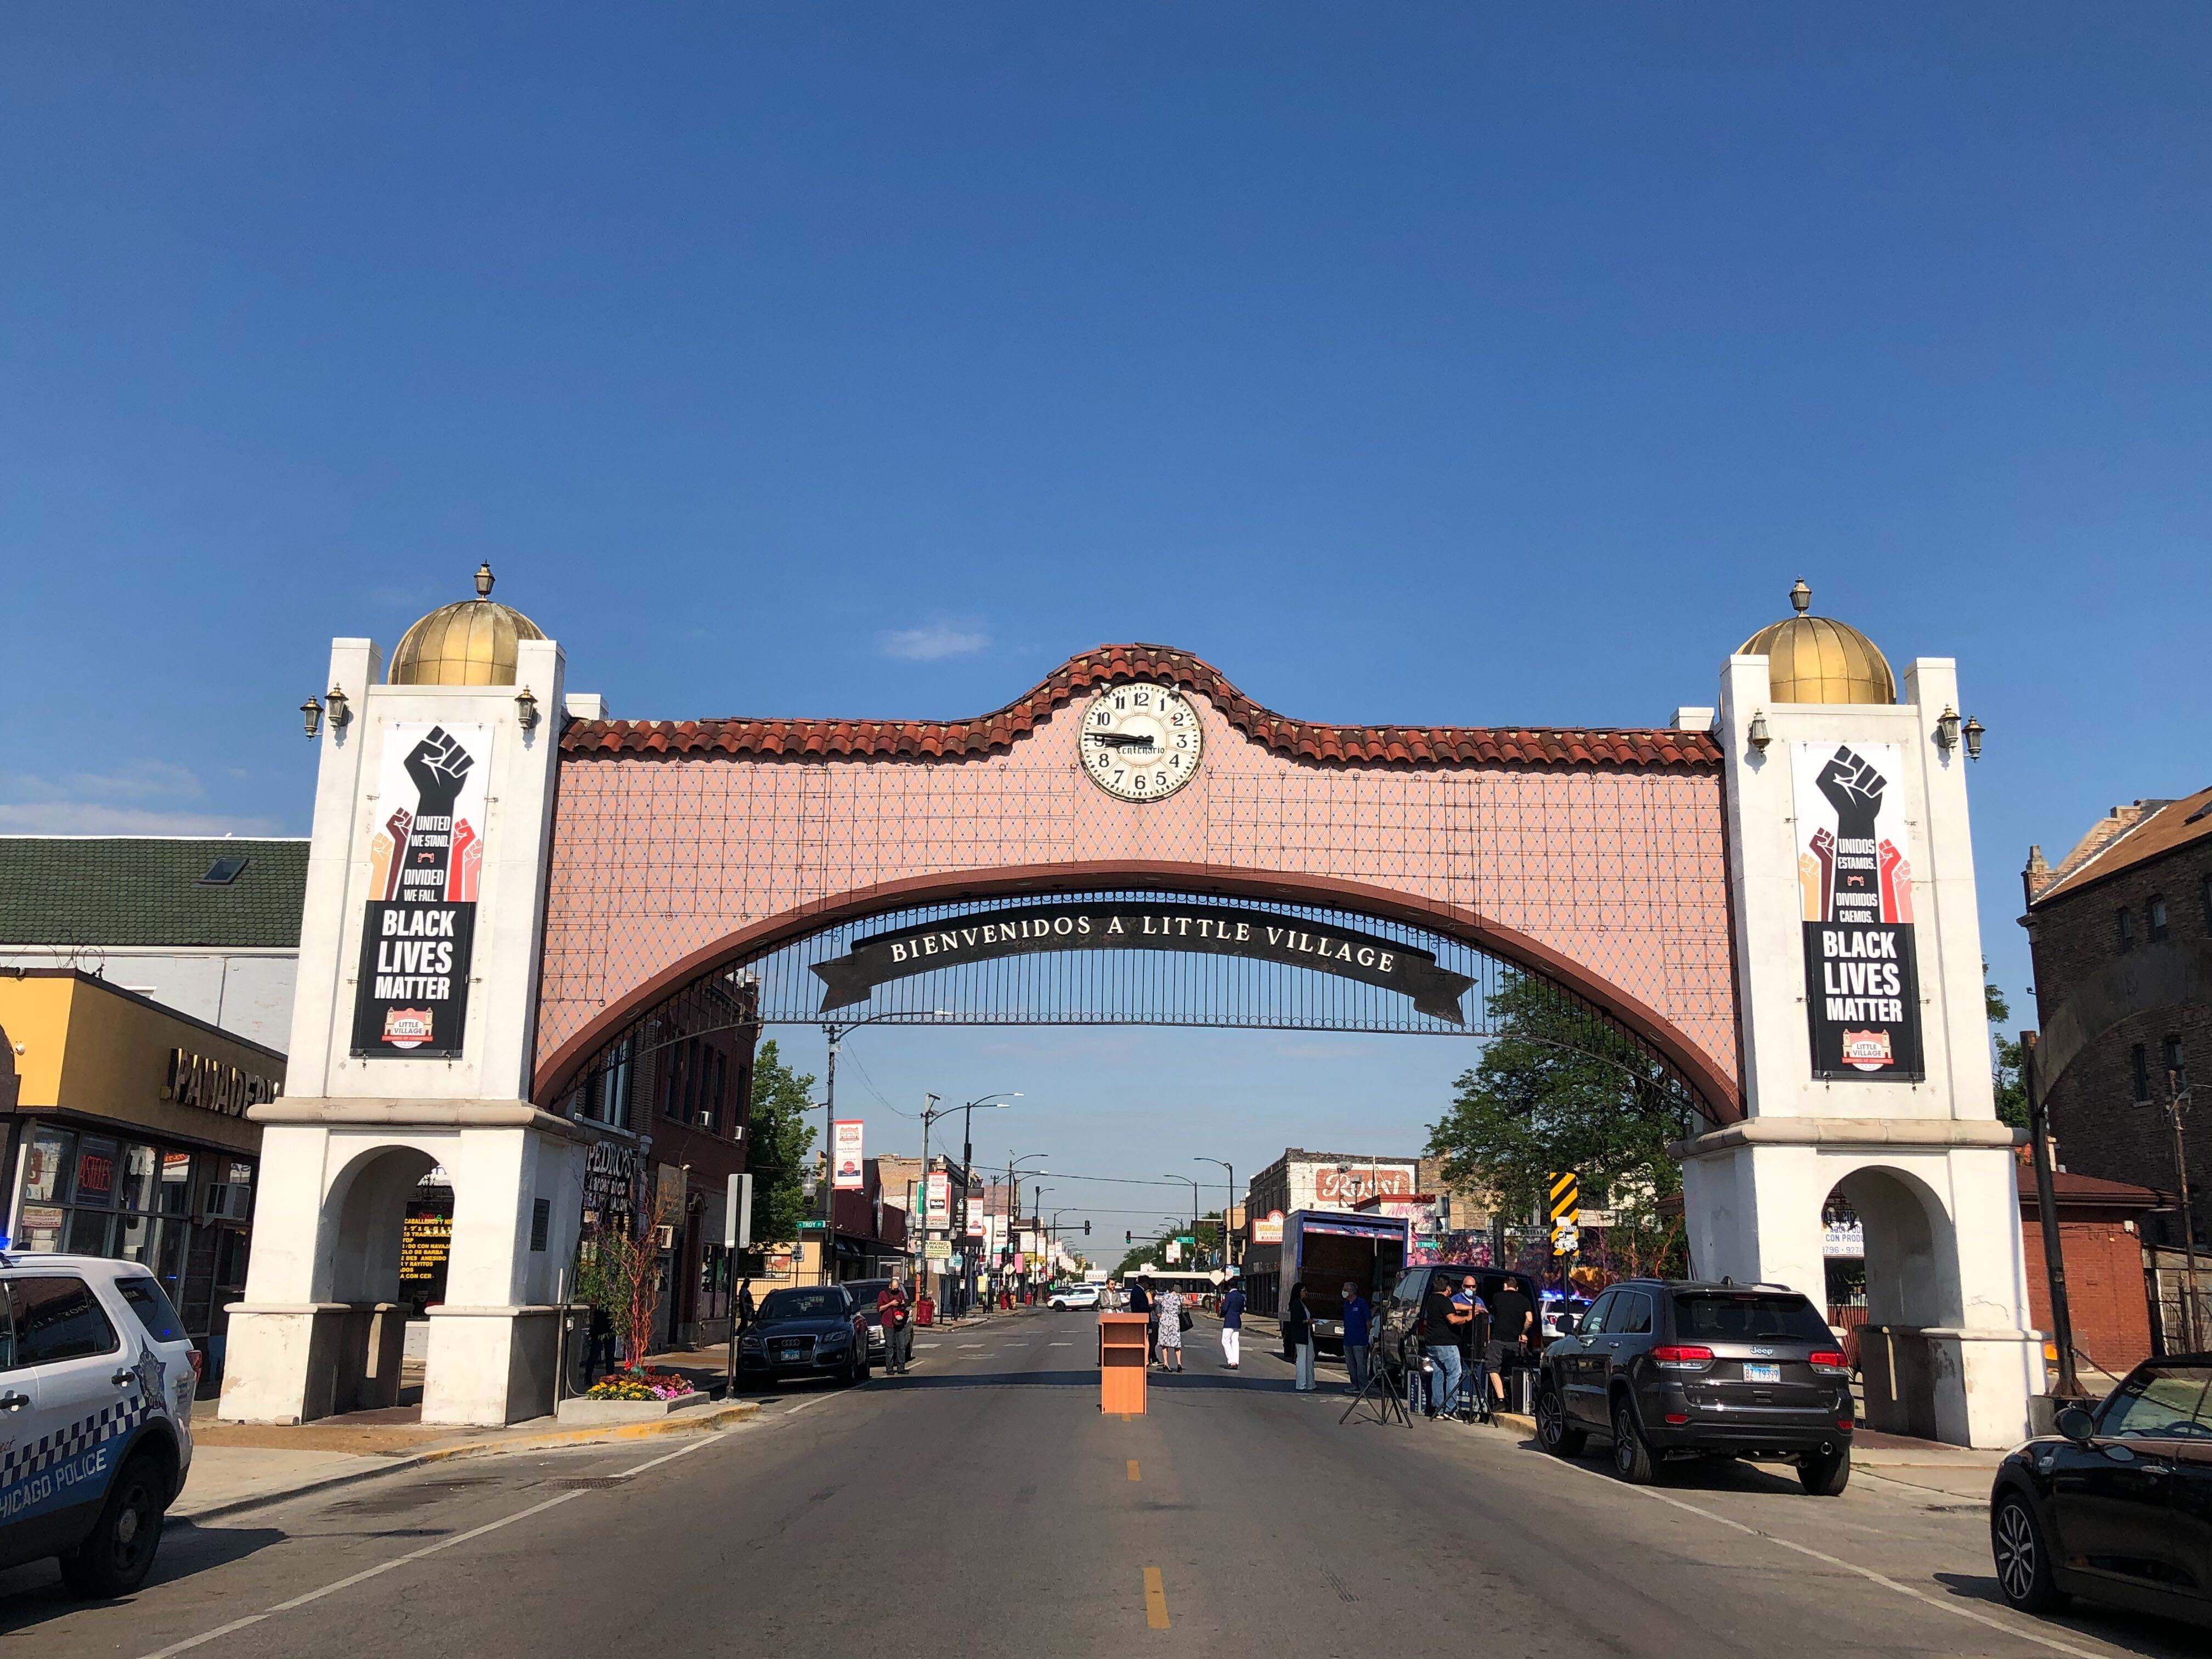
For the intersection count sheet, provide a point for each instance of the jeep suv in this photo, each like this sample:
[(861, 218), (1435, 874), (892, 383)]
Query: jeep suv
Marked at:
[(1667, 1368), (96, 1384)]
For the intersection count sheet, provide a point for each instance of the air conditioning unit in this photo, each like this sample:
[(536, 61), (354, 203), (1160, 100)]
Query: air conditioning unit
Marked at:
[(666, 1237)]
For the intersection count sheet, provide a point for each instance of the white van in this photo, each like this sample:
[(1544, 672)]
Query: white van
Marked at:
[(96, 1384)]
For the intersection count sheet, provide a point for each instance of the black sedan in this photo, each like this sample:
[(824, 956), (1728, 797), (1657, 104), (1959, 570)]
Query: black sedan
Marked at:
[(2117, 1506), (816, 1332)]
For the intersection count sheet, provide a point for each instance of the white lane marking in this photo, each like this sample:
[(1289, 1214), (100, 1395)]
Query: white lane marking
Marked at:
[(355, 1578), (971, 1345), (1887, 1582), (382, 1567), (1060, 1345)]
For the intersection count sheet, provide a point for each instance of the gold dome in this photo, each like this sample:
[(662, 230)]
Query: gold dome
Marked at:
[(1819, 659), (471, 642)]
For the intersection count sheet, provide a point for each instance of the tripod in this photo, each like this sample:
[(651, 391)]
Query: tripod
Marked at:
[(1385, 1392)]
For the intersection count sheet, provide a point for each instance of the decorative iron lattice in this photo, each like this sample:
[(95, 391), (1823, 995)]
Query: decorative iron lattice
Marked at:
[(1619, 870), (1131, 988)]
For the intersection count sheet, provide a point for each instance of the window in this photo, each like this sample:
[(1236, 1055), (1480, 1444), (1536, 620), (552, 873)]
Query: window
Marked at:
[(2174, 1063), (223, 872), (2157, 1405), (1631, 1316), (2126, 925), (1594, 1319), (1729, 1317), (2139, 1060), (605, 1092), (2154, 917), (541, 1222), (58, 1318), (2208, 905), (6, 1334), (154, 1310)]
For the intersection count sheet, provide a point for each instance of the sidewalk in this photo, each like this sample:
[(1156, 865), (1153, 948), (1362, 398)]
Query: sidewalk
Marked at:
[(242, 1466)]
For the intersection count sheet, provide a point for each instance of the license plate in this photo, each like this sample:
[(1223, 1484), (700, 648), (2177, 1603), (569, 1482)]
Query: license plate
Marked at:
[(1762, 1373)]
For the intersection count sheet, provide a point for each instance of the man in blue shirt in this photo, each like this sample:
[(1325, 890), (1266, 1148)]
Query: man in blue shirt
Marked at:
[(1232, 1324), (1358, 1319)]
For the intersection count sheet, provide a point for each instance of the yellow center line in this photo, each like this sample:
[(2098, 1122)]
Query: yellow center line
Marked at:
[(1132, 1469), (1156, 1599)]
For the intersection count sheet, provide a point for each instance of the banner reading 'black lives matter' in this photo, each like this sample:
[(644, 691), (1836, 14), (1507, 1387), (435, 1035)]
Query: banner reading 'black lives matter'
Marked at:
[(1862, 980), (418, 933)]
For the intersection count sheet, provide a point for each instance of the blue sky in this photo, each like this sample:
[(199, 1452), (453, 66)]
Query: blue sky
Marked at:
[(1420, 363)]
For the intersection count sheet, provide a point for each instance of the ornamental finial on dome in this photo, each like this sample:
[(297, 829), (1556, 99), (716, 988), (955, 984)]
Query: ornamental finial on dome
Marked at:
[(485, 581), (1800, 597)]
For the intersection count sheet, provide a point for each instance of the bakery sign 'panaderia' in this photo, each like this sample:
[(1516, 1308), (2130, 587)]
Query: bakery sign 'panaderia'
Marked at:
[(1855, 880)]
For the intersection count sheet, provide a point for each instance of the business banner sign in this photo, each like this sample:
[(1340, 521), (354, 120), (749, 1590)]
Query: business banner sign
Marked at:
[(1135, 925), (937, 1202), (845, 1155), (1855, 882), (418, 934)]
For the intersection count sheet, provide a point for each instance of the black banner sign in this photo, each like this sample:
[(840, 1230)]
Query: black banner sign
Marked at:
[(1133, 925), (418, 934), (1855, 880), (1864, 991)]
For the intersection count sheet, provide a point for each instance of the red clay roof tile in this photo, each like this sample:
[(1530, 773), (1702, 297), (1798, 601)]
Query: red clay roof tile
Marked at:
[(1640, 748)]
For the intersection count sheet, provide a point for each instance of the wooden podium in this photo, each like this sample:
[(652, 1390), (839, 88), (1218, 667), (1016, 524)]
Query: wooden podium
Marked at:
[(1124, 1354)]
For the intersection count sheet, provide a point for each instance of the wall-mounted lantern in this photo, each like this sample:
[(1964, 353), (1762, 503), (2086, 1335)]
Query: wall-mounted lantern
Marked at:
[(1947, 729), (1973, 738), (310, 716), (1759, 736), (525, 709), (341, 710)]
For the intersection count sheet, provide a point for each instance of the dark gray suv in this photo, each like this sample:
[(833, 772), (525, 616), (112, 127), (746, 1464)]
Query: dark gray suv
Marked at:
[(1668, 1368)]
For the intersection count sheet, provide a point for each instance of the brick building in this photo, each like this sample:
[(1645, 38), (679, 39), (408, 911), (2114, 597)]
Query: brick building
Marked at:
[(2099, 1232), (2139, 882)]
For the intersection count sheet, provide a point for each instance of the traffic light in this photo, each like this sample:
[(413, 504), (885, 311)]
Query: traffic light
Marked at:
[(1086, 1230), (1129, 1239)]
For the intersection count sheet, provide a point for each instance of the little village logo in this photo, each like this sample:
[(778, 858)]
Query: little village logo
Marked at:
[(1135, 925)]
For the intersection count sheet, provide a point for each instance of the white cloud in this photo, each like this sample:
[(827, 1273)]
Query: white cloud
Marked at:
[(70, 818), (143, 798), (934, 643)]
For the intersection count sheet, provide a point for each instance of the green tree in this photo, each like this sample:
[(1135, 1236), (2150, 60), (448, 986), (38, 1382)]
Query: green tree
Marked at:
[(1557, 1089), (2004, 1066), (779, 1138)]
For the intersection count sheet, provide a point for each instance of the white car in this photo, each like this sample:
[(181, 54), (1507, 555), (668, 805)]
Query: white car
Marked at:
[(1074, 1296), (96, 1384)]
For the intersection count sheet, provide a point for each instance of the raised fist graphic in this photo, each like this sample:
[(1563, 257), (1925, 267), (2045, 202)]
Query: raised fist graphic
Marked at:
[(438, 764), (1854, 789)]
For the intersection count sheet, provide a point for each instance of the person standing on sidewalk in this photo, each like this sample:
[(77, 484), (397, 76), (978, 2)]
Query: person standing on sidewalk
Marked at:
[(1473, 1337), (1510, 1317), (1359, 1318), (899, 1327), (1441, 1324), (1232, 1324), (1297, 1336)]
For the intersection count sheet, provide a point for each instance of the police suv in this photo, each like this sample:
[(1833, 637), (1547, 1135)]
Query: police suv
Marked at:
[(96, 1384)]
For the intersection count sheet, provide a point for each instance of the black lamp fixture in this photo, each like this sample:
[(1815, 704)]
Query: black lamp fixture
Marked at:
[(1759, 736), (341, 710), (1974, 732), (311, 716), (1947, 729), (525, 709)]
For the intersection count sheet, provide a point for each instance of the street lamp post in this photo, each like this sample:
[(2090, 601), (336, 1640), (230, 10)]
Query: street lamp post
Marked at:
[(1228, 1258), (999, 1098), (835, 1030), (1193, 1206)]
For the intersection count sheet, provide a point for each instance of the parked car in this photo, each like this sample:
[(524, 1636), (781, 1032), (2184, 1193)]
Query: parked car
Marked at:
[(864, 1292), (1399, 1330), (1673, 1368), (1074, 1296), (818, 1331), (2117, 1506), (96, 1384), (1555, 1306)]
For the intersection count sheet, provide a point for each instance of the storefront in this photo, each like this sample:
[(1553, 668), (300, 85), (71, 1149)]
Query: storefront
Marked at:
[(127, 1137)]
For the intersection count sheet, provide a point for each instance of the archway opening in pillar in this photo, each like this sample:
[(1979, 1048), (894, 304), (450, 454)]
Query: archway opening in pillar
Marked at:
[(369, 1213), (1902, 1283)]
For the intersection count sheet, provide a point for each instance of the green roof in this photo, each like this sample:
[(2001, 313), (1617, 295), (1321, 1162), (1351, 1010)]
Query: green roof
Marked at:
[(150, 890)]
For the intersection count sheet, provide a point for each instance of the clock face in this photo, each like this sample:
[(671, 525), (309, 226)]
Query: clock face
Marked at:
[(1142, 741)]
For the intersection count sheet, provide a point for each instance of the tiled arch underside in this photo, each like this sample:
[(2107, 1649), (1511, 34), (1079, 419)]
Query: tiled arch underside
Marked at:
[(1622, 872)]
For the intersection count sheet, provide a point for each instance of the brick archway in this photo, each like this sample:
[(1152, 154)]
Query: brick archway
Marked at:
[(559, 1070)]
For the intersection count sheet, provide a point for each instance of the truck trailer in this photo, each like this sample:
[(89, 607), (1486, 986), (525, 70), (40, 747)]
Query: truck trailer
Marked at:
[(1323, 1250)]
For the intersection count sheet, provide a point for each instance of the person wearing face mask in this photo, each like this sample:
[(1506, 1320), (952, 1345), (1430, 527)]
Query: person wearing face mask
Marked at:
[(1359, 1323)]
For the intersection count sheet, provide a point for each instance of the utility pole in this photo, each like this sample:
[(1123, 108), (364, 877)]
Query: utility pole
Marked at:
[(2178, 1102), (2046, 1211), (967, 1161), (835, 1032), (929, 1115)]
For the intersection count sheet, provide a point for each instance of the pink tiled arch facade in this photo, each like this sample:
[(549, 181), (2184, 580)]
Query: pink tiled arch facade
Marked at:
[(1596, 857)]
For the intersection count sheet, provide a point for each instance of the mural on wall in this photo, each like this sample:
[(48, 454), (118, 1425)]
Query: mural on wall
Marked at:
[(1855, 882), (418, 931)]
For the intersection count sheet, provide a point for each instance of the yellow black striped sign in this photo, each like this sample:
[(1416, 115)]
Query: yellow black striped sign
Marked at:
[(1567, 1196)]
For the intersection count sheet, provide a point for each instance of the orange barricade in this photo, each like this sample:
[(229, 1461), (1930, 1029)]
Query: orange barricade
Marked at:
[(1124, 1352)]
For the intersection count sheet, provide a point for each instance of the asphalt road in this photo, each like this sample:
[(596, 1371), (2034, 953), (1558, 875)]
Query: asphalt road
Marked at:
[(983, 1506)]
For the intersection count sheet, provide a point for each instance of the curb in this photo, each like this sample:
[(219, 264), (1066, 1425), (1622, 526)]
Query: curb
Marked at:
[(721, 1417)]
